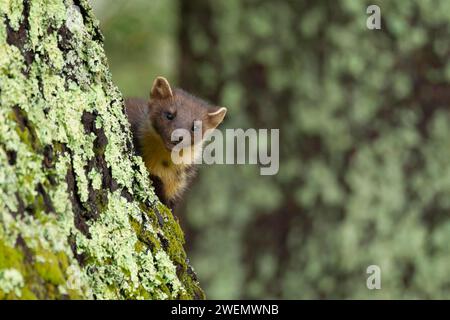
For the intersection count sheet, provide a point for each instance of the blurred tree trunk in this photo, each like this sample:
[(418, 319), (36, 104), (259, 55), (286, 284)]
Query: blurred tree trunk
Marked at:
[(78, 217), (364, 146)]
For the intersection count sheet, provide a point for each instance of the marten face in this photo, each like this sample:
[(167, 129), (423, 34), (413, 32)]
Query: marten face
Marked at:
[(177, 109)]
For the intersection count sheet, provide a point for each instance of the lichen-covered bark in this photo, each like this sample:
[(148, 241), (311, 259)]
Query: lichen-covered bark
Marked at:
[(78, 216), (364, 123)]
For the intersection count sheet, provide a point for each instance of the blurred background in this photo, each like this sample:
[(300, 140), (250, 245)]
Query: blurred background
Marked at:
[(364, 119)]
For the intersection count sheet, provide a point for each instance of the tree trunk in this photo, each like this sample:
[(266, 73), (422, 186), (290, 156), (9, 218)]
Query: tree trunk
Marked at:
[(78, 216), (364, 123)]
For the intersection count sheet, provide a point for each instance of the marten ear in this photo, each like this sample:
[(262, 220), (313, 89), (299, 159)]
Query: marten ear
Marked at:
[(215, 117), (161, 89)]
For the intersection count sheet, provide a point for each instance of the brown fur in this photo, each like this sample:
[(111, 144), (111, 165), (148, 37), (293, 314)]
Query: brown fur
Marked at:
[(152, 134)]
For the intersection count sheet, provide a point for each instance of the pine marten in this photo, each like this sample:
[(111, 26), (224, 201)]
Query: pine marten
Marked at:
[(152, 123)]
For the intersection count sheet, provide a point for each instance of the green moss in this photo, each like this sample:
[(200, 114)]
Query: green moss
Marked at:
[(10, 257), (27, 294), (48, 267), (11, 272)]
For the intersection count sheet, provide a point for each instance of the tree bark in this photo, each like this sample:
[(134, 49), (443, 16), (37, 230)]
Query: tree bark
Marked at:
[(364, 123), (78, 215)]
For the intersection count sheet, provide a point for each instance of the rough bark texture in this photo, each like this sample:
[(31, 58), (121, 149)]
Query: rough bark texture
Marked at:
[(78, 216)]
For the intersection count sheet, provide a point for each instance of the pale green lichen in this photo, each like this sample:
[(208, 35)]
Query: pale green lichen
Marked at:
[(168, 272), (96, 179), (49, 46), (43, 107), (13, 10), (11, 280), (131, 270), (43, 15), (74, 19)]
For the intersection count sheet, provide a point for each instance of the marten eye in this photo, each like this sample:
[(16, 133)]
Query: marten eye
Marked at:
[(169, 115)]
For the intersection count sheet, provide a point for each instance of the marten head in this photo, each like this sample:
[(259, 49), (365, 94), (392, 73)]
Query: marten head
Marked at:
[(176, 109)]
